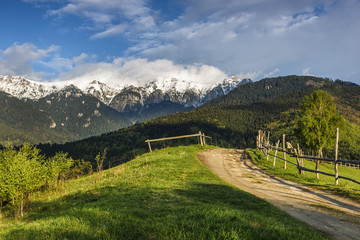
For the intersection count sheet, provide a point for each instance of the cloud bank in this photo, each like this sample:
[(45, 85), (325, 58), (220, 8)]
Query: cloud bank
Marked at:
[(258, 38), (138, 72)]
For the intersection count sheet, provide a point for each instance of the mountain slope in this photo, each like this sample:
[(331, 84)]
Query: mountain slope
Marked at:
[(71, 113), (79, 114), (58, 117), (233, 125), (22, 121), (269, 88)]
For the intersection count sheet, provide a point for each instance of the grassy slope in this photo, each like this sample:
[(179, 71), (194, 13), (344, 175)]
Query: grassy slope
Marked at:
[(166, 194), (346, 188)]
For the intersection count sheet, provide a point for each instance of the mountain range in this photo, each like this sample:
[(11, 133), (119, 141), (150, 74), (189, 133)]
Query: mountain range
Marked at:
[(58, 112), (232, 120)]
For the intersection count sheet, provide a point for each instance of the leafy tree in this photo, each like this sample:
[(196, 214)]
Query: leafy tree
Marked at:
[(316, 126), (22, 172), (57, 167)]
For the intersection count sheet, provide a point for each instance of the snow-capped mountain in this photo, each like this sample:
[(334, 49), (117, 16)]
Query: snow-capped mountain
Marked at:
[(64, 111), (23, 88), (101, 91), (186, 93)]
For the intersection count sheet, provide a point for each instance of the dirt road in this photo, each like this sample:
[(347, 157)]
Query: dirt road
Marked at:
[(336, 216)]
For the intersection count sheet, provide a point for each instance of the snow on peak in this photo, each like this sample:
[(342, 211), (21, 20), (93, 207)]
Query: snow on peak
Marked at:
[(173, 84), (101, 91), (173, 87), (23, 88)]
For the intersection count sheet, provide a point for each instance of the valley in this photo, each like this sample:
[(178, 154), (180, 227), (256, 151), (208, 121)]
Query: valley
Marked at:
[(169, 181)]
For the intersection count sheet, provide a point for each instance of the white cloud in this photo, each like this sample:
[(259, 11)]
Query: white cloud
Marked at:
[(18, 59), (108, 16), (306, 72), (272, 73), (81, 58), (112, 8), (140, 71), (110, 32), (249, 36)]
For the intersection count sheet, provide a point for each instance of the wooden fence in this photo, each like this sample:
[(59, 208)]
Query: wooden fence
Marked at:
[(264, 145), (200, 135)]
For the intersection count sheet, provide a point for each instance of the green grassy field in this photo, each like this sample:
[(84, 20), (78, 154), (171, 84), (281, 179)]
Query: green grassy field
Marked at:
[(166, 194), (345, 187)]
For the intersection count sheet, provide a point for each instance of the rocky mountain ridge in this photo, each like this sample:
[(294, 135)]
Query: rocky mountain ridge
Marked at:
[(129, 98)]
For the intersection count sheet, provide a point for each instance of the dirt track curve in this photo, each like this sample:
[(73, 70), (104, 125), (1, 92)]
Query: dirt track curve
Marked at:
[(336, 216)]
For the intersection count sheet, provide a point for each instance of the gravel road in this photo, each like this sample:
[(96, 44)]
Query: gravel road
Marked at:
[(333, 215)]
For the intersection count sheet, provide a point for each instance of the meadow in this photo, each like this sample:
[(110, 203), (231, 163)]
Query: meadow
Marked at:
[(165, 194)]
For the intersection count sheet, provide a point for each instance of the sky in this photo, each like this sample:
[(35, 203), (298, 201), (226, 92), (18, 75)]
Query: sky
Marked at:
[(135, 41)]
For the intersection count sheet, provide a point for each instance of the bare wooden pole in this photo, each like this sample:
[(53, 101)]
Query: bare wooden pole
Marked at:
[(268, 145), (277, 145), (336, 157), (149, 145), (284, 150), (297, 159), (204, 139), (201, 139), (300, 159), (318, 165)]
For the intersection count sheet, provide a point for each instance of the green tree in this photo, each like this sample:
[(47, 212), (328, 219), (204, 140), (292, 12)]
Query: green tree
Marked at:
[(318, 120), (57, 167), (22, 173)]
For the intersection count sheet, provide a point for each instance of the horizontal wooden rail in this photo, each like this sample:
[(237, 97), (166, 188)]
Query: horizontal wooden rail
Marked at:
[(200, 135), (264, 145), (283, 159), (328, 174), (311, 157), (170, 138)]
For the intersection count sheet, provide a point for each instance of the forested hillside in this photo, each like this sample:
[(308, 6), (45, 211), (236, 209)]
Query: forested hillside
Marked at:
[(232, 120), (67, 115)]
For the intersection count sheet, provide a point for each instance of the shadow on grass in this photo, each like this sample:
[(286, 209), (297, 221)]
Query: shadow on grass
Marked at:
[(199, 211)]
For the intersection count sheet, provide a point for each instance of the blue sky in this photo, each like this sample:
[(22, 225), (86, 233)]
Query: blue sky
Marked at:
[(136, 41)]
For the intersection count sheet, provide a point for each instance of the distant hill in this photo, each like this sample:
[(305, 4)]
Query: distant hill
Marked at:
[(232, 120), (269, 88)]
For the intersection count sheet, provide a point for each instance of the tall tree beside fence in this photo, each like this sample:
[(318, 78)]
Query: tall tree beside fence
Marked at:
[(317, 123)]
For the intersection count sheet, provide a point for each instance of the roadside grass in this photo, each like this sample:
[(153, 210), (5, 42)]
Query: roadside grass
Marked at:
[(165, 194), (345, 187)]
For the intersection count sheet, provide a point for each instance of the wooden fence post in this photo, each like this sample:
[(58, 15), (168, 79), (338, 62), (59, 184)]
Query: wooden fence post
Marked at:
[(201, 139), (268, 145), (318, 164), (277, 145), (336, 157), (204, 139), (284, 150), (301, 161), (149, 145), (297, 160)]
